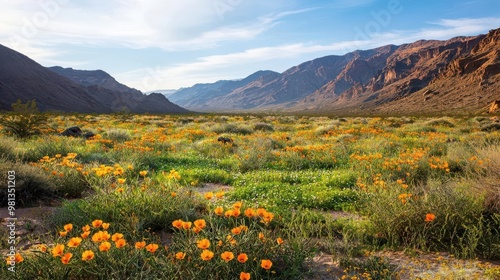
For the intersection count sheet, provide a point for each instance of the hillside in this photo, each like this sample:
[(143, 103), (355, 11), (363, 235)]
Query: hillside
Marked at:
[(23, 78), (93, 78), (427, 76)]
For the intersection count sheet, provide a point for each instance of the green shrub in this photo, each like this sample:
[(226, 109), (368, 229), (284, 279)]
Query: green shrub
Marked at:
[(32, 185), (50, 146), (263, 126), (440, 122), (457, 226), (118, 135), (8, 149), (24, 120), (323, 130), (490, 127), (232, 128)]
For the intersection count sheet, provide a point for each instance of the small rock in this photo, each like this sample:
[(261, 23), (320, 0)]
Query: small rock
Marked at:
[(225, 140), (73, 131), (88, 135)]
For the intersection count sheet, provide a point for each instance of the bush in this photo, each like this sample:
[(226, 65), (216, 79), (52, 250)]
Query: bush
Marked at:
[(263, 127), (457, 224), (33, 186), (24, 120), (323, 130), (491, 127), (8, 149), (50, 146), (232, 128), (440, 122), (118, 135)]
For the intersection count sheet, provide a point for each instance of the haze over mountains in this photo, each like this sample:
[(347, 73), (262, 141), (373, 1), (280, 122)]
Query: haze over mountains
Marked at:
[(458, 75), (68, 90)]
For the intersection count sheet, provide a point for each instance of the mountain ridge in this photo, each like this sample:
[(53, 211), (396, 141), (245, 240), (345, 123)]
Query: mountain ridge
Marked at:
[(24, 79), (373, 81)]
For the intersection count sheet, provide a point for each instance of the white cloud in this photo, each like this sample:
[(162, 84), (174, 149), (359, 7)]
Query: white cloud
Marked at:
[(140, 23)]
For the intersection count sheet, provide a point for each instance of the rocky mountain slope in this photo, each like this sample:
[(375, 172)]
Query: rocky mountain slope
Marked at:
[(93, 78), (427, 76), (198, 96), (23, 78)]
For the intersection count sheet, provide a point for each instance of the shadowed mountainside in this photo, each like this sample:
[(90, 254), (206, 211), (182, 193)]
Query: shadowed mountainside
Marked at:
[(23, 78)]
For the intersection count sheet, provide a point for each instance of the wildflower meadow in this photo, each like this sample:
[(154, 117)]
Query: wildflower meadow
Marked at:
[(160, 197)]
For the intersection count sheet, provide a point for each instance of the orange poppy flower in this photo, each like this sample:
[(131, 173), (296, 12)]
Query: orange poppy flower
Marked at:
[(242, 258), (58, 250), (74, 242), (429, 217), (197, 230), (186, 225), (115, 237), (244, 276), (227, 256), (279, 241), (200, 223), (236, 230), (219, 194), (63, 233), (207, 255), (96, 223), (180, 255), (85, 234), (266, 264), (261, 211), (152, 247), (105, 226), (42, 248), (267, 217), (237, 205), (261, 236), (140, 244), (18, 258), (177, 224), (236, 213), (87, 255), (68, 227), (250, 213), (105, 246), (219, 211), (120, 243), (66, 258), (121, 180), (209, 195), (203, 244), (86, 228)]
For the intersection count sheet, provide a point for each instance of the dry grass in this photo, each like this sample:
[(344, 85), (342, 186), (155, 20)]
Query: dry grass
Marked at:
[(489, 183)]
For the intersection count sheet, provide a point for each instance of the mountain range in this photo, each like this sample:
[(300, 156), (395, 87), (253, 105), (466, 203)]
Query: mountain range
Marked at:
[(459, 75), (427, 76), (69, 90)]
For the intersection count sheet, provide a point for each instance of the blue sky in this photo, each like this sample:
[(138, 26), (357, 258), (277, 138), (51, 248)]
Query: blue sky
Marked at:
[(166, 44)]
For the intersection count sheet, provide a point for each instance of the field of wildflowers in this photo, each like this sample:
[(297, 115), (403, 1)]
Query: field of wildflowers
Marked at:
[(132, 200)]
